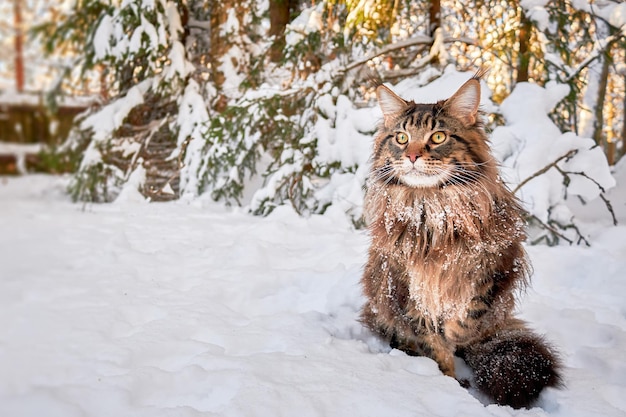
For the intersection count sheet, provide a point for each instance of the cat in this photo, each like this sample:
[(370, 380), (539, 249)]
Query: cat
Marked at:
[(446, 256)]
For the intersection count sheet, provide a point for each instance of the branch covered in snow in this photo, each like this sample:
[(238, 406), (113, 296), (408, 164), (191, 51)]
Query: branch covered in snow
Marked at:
[(545, 169), (406, 43), (577, 167)]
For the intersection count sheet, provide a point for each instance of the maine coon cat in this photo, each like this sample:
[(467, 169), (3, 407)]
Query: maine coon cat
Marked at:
[(446, 255)]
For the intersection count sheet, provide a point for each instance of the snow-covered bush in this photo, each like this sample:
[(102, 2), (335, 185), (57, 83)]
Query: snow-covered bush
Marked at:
[(299, 144), (547, 167)]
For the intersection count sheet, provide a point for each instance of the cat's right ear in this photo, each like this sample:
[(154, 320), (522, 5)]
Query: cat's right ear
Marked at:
[(390, 103)]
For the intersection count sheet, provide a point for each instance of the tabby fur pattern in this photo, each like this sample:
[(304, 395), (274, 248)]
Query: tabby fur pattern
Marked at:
[(446, 256)]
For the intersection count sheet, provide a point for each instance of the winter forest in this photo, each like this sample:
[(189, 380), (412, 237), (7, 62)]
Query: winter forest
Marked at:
[(260, 104), (189, 242)]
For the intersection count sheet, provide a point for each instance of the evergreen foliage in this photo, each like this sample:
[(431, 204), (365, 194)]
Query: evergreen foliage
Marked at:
[(198, 107)]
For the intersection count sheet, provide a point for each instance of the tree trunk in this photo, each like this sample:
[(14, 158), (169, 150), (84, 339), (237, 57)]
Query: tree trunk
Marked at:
[(434, 17), (624, 124), (226, 35), (279, 18), (524, 48), (434, 23), (219, 42), (598, 122), (19, 40)]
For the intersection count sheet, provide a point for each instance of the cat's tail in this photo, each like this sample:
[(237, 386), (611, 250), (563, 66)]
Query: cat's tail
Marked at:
[(513, 365)]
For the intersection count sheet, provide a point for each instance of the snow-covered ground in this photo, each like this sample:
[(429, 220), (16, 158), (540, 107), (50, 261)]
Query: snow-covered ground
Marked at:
[(176, 309)]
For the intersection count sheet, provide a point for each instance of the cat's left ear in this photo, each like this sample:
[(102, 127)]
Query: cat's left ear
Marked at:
[(390, 103), (464, 103)]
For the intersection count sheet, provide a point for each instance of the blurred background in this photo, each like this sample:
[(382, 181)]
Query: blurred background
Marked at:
[(225, 98)]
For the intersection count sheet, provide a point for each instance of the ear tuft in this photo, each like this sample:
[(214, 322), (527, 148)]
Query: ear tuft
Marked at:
[(390, 103), (464, 103)]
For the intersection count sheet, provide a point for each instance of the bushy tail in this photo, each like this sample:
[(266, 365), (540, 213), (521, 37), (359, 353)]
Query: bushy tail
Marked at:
[(512, 366)]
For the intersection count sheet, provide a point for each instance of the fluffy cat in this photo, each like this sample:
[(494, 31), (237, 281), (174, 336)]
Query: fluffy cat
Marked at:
[(446, 254)]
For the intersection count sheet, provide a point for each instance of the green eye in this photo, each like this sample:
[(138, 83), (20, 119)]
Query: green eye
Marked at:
[(438, 137), (402, 138)]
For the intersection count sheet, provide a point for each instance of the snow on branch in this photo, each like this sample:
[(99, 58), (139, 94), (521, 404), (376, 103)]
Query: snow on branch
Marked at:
[(600, 48), (545, 169), (577, 167), (406, 43)]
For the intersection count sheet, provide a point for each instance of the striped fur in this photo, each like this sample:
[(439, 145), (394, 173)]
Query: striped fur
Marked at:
[(446, 256)]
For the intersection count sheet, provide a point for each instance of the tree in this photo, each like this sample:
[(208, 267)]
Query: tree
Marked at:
[(252, 102), (140, 44), (19, 50), (279, 15)]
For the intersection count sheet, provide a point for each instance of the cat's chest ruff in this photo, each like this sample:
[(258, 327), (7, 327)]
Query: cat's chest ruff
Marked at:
[(439, 217), (437, 239)]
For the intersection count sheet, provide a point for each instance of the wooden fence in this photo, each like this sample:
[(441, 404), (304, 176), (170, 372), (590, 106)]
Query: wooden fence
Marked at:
[(26, 125)]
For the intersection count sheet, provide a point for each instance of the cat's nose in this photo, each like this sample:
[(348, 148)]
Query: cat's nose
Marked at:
[(413, 156)]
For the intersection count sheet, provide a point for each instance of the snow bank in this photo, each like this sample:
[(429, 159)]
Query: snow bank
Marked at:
[(177, 309)]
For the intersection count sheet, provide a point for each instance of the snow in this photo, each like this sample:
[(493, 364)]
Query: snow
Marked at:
[(175, 26), (112, 40), (14, 98), (530, 141), (102, 37), (137, 39), (618, 15), (130, 192), (420, 90), (347, 144), (310, 20), (20, 151), (189, 309), (111, 116), (535, 10), (179, 66), (191, 122)]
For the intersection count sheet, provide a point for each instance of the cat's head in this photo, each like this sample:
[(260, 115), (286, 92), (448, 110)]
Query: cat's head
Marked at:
[(431, 145)]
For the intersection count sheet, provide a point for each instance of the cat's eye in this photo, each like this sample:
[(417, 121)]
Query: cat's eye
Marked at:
[(438, 137), (402, 138)]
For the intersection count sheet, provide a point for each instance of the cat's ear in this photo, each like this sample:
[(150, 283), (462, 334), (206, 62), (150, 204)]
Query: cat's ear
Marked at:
[(464, 103), (390, 103)]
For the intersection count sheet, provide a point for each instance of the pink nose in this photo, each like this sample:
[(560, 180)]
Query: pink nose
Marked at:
[(412, 156)]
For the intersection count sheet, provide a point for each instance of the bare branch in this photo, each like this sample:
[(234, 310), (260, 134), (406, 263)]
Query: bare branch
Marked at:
[(556, 231), (602, 46), (405, 43), (545, 169), (566, 174), (200, 24), (609, 207), (550, 228)]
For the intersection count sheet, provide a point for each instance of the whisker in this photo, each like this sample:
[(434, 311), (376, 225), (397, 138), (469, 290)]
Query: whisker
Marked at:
[(379, 179)]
